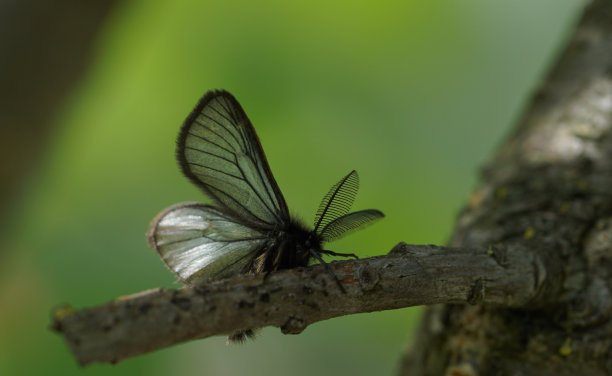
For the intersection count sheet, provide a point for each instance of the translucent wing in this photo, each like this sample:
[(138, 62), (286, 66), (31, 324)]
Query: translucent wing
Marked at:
[(338, 201), (198, 242), (220, 152), (349, 223)]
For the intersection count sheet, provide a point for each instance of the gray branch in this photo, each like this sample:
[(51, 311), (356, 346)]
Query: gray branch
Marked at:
[(409, 275)]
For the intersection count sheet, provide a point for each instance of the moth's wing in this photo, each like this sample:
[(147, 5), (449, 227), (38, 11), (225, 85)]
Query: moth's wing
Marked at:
[(220, 152), (337, 202), (198, 242), (344, 225)]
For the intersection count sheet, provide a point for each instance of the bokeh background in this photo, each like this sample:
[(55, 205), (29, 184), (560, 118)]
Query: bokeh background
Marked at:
[(415, 95)]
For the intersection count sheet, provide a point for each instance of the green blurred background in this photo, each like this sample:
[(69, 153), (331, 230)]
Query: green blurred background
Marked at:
[(414, 95)]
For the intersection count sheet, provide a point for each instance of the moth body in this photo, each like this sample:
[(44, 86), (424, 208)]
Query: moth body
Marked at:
[(249, 229)]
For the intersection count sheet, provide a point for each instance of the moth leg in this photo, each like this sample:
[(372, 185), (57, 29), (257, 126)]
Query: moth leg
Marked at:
[(326, 266), (241, 336), (332, 253), (267, 264)]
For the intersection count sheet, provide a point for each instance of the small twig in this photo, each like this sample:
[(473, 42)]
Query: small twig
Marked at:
[(293, 299)]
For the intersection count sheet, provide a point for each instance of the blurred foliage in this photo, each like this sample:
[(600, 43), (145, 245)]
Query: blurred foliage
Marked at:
[(414, 95)]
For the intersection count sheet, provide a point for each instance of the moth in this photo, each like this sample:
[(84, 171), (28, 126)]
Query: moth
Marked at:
[(249, 230)]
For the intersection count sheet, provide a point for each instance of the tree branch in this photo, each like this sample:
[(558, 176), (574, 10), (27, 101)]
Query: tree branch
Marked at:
[(409, 275)]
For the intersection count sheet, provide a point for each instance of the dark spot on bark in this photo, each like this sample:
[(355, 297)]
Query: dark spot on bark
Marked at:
[(499, 253), (144, 308), (106, 327), (294, 325), (202, 290), (312, 305), (244, 304), (478, 292), (265, 297), (176, 319), (400, 248), (307, 290), (368, 279), (251, 290), (211, 308), (182, 303)]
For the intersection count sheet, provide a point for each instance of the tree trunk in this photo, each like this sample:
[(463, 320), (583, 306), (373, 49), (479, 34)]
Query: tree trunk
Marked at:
[(548, 192), (46, 47)]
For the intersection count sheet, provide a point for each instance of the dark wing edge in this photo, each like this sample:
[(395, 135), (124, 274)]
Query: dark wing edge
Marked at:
[(337, 202), (152, 230), (253, 145), (349, 223)]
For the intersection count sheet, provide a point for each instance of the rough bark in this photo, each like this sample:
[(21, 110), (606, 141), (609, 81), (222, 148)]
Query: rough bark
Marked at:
[(293, 299), (548, 192)]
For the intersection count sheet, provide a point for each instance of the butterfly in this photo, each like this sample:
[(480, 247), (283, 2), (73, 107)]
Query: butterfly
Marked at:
[(249, 230)]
